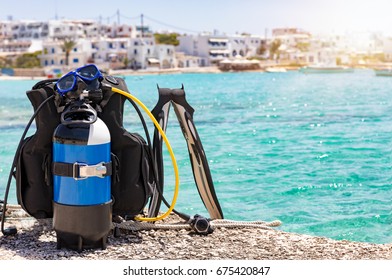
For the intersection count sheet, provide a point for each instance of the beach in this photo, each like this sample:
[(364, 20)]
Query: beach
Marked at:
[(36, 240), (129, 72)]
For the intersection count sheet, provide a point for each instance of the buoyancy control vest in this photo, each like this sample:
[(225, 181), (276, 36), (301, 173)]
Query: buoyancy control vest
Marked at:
[(132, 174)]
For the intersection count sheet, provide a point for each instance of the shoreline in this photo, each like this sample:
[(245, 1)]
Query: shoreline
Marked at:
[(190, 70), (129, 72), (36, 240)]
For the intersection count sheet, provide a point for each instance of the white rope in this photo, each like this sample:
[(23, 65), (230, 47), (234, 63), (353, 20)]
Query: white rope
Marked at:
[(136, 226), (132, 225), (244, 224)]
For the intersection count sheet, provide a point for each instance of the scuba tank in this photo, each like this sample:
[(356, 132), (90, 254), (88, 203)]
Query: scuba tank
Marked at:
[(81, 182)]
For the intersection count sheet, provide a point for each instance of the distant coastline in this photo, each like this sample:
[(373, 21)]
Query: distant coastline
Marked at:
[(129, 72), (36, 74)]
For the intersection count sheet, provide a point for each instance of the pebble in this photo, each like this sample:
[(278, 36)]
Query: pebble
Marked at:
[(36, 240)]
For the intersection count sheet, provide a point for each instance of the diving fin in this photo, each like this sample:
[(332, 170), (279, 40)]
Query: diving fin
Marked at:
[(201, 170), (161, 114)]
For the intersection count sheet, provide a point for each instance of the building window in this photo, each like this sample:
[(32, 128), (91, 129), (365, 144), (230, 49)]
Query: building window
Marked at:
[(46, 63), (148, 51), (52, 61), (75, 49), (61, 62), (53, 50), (75, 60), (135, 51)]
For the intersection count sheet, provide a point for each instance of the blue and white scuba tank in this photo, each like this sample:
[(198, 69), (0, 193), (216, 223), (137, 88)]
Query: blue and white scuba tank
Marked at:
[(82, 168), (81, 147)]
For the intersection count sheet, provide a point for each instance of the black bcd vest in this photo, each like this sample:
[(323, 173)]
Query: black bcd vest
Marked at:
[(132, 179)]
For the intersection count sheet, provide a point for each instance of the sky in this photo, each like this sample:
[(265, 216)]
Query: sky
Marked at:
[(226, 16)]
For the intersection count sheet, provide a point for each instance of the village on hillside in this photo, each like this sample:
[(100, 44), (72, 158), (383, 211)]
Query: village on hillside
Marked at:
[(50, 48)]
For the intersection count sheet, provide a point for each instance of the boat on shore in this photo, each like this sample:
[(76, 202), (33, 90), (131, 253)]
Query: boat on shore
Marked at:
[(385, 72), (275, 70), (325, 69)]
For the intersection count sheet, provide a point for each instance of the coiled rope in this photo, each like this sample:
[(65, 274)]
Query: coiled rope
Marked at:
[(137, 226), (132, 225)]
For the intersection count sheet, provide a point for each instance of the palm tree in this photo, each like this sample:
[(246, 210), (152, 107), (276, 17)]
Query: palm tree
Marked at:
[(274, 48), (67, 46)]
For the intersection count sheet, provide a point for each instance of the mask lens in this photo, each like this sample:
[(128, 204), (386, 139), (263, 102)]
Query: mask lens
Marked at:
[(88, 72), (66, 83)]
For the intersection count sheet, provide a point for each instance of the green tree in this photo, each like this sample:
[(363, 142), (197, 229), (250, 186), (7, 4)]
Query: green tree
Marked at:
[(262, 49), (28, 60), (168, 39), (67, 46), (303, 46), (5, 62), (274, 48), (126, 62)]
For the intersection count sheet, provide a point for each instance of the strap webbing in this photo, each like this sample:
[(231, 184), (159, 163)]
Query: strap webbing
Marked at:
[(78, 170)]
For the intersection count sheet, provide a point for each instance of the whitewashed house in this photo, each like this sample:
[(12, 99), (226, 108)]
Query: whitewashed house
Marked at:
[(143, 53), (213, 48), (60, 29), (109, 49), (53, 54), (165, 54)]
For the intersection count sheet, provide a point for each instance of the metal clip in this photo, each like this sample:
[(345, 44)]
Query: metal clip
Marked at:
[(85, 171), (76, 171)]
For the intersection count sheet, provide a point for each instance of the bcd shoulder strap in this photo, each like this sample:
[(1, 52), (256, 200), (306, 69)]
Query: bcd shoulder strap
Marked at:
[(33, 178)]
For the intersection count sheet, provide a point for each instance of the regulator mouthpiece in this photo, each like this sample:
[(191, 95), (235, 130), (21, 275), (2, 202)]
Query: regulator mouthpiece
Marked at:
[(201, 225)]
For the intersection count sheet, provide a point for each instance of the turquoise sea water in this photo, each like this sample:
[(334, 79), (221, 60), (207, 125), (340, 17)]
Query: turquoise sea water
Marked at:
[(314, 151)]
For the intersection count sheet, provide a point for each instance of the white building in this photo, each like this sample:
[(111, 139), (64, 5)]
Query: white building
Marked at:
[(123, 31), (5, 30), (210, 47), (60, 29), (18, 37), (141, 52), (53, 54), (244, 45), (214, 48), (109, 49), (26, 30), (114, 53), (188, 61), (165, 54)]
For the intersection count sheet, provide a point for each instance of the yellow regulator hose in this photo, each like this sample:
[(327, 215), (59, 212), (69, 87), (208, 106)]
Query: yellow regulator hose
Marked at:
[(177, 179)]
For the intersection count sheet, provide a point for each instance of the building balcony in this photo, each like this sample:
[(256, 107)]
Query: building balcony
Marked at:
[(217, 42), (219, 53)]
